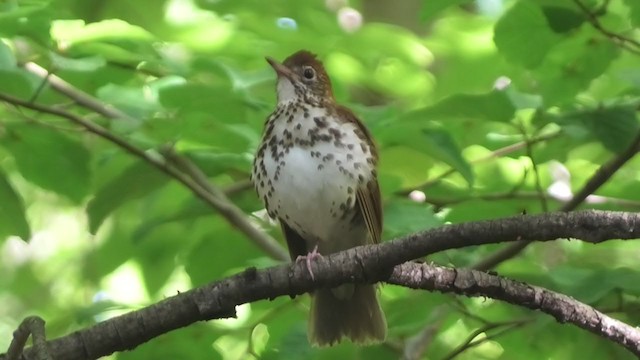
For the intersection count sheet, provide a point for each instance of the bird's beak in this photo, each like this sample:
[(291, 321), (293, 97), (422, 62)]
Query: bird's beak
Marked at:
[(280, 69)]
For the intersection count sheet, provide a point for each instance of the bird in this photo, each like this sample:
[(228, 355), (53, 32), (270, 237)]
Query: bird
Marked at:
[(315, 170)]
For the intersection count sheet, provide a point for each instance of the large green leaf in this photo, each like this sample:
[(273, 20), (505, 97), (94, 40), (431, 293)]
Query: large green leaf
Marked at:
[(12, 212), (492, 106), (523, 35), (615, 127), (49, 159), (572, 66), (431, 140), (563, 19), (135, 182), (211, 257)]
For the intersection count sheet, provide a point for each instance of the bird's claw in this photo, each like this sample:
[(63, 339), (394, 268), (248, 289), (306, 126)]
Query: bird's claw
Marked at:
[(314, 254)]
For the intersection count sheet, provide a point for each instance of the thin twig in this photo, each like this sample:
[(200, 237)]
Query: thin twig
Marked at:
[(493, 155), (626, 43), (471, 341), (238, 187), (266, 243), (536, 173), (601, 176), (78, 96), (416, 346)]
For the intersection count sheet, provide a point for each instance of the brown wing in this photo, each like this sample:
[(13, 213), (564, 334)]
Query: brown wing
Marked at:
[(369, 200), (368, 195), (296, 244)]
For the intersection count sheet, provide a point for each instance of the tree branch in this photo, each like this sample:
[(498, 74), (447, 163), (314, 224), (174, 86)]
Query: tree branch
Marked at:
[(34, 326), (626, 43), (372, 263)]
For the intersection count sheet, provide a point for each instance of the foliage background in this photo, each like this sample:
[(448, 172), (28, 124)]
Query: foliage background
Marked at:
[(88, 231)]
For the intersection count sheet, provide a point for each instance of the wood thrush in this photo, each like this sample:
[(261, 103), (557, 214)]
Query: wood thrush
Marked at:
[(315, 171)]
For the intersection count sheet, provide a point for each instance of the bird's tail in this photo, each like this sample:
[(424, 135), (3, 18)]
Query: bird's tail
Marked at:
[(350, 311)]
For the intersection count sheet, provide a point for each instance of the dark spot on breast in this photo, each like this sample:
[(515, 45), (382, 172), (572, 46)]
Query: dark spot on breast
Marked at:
[(349, 157), (335, 133), (364, 147), (320, 166), (350, 146), (327, 157), (321, 122), (299, 126)]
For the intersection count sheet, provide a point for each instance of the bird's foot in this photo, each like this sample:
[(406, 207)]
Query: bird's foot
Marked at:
[(314, 254)]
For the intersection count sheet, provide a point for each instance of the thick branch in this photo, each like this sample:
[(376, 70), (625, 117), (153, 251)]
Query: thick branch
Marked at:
[(475, 283), (377, 263)]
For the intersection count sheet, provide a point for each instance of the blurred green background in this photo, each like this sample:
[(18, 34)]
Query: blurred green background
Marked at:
[(453, 91)]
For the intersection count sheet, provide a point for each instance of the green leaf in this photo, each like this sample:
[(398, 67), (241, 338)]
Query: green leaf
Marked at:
[(523, 36), (16, 82), (131, 99), (32, 21), (13, 220), (492, 106), (614, 127), (404, 216), (49, 159), (431, 8), (84, 64), (76, 31), (211, 115), (211, 259), (442, 146), (634, 11), (570, 68), (135, 182), (562, 19), (433, 141)]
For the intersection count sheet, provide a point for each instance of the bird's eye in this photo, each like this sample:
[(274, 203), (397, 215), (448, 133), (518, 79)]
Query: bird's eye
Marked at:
[(308, 73)]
